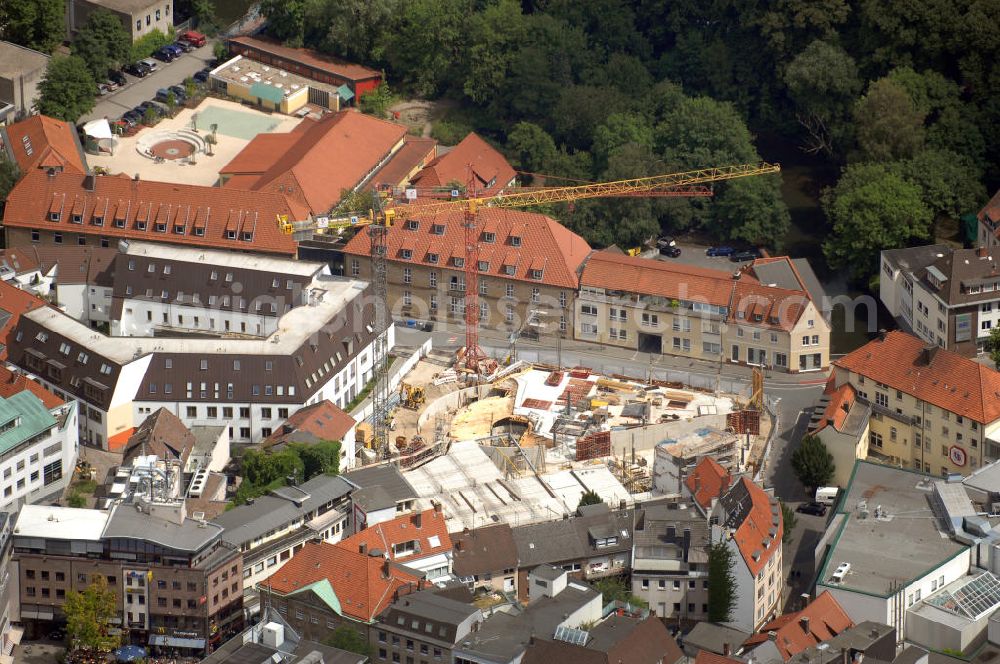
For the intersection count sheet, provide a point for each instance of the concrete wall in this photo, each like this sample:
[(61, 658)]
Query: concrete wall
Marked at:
[(845, 449), (937, 630)]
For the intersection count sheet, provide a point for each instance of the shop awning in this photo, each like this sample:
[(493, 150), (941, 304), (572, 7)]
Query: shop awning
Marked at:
[(345, 93), (175, 641), (37, 615)]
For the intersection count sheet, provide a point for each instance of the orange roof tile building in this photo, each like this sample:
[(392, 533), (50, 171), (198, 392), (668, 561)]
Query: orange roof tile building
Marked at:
[(313, 166), (12, 382), (707, 482), (419, 540), (473, 160), (41, 142), (14, 302), (315, 423), (47, 207), (821, 620)]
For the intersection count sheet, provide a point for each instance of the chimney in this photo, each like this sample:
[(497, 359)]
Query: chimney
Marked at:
[(772, 636), (385, 568), (417, 519), (437, 508), (89, 182), (726, 649), (458, 545), (363, 549), (927, 355), (804, 621), (981, 252), (622, 504)]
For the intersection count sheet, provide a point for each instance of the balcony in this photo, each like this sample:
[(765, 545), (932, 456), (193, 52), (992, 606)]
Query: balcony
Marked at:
[(888, 412)]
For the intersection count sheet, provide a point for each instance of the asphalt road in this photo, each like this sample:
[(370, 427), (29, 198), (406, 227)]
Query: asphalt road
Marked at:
[(139, 90)]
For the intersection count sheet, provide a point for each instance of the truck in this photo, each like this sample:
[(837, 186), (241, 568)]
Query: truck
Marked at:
[(192, 37), (827, 495)]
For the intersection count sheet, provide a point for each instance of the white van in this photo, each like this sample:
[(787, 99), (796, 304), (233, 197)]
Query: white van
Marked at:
[(827, 495)]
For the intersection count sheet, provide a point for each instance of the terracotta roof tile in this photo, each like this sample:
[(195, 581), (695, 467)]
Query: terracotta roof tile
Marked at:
[(345, 70), (43, 142), (316, 164), (323, 420), (162, 434), (991, 210), (358, 580), (706, 657), (403, 166), (837, 409), (606, 269), (708, 480), (767, 306), (485, 161), (432, 535), (142, 202), (562, 250), (826, 619), (13, 382), (932, 374), (756, 528), (13, 303)]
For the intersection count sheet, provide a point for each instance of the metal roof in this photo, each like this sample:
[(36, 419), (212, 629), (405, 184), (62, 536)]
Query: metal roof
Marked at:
[(34, 419), (130, 522)]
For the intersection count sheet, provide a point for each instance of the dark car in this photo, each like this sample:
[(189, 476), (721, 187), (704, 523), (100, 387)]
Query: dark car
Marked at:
[(201, 76), (666, 241), (720, 251), (165, 54), (184, 46), (179, 92), (117, 77), (128, 120), (743, 256), (814, 508), (138, 69), (673, 252), (163, 93), (175, 48)]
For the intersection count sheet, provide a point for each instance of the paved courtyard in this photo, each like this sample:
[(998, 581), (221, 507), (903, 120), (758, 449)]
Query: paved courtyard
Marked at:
[(237, 125)]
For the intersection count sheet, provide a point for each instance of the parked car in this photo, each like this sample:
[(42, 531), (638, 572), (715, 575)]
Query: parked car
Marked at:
[(193, 37), (183, 45), (152, 64), (179, 92), (175, 48), (666, 241), (117, 77), (742, 256), (159, 108), (720, 251), (103, 89), (673, 252), (202, 76), (138, 69), (813, 508), (164, 54), (127, 120), (162, 94)]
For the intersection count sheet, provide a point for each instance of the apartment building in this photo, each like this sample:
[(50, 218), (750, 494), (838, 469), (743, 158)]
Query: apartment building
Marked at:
[(37, 141), (38, 441), (269, 530), (762, 315), (320, 348), (931, 409), (138, 17), (948, 297), (419, 540), (749, 520), (176, 582), (670, 560), (527, 262), (472, 159), (422, 626), (486, 558), (989, 221), (794, 632)]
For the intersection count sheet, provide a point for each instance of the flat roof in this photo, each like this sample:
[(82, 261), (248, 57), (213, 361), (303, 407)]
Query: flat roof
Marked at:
[(16, 60), (293, 329), (65, 523), (249, 72), (128, 521), (127, 6), (223, 259), (903, 544)]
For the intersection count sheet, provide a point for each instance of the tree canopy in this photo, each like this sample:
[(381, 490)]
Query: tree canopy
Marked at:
[(722, 594), (590, 497), (68, 89), (89, 615), (37, 24), (813, 463), (102, 43)]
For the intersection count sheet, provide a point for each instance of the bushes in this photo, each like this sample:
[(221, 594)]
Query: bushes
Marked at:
[(148, 44)]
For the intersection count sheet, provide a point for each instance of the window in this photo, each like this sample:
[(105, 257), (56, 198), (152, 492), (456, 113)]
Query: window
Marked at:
[(432, 278), (875, 440), (509, 291), (882, 399), (650, 320), (407, 275), (355, 267)]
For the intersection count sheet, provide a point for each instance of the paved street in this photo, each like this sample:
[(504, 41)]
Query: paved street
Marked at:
[(139, 90)]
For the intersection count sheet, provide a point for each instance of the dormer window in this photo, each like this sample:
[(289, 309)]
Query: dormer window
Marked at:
[(412, 225), (247, 236), (484, 266), (536, 274), (140, 225), (437, 229), (161, 227), (458, 261), (758, 318), (98, 221), (77, 218), (230, 235), (407, 254), (515, 240), (53, 216), (179, 229), (432, 258), (167, 269), (509, 270), (200, 232), (489, 238), (974, 289), (119, 223)]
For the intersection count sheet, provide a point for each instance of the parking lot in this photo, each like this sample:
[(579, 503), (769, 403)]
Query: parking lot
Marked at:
[(138, 90), (694, 254)]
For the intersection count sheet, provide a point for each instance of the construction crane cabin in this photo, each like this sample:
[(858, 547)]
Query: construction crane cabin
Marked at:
[(384, 215)]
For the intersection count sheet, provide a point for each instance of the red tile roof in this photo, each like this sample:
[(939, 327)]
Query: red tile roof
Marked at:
[(324, 420), (13, 382), (932, 374), (544, 243), (767, 306), (359, 580), (14, 302), (403, 529), (706, 657), (841, 400), (708, 480), (403, 166), (21, 259), (606, 269), (345, 70), (991, 210), (44, 142), (486, 163), (755, 529), (315, 165), (826, 619), (195, 209)]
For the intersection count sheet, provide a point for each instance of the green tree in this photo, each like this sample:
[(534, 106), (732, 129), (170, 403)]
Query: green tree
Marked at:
[(190, 87), (813, 463), (350, 28), (427, 48), (589, 497), (889, 125), (722, 595), (261, 468), (495, 32), (823, 83), (751, 210), (37, 24), (349, 639), (148, 44), (618, 130), (103, 43), (285, 19), (613, 589), (89, 615), (377, 102), (951, 184), (220, 51), (319, 458), (68, 89), (9, 175), (993, 346), (870, 209), (76, 499), (531, 149), (204, 15), (788, 521), (171, 101), (149, 116)]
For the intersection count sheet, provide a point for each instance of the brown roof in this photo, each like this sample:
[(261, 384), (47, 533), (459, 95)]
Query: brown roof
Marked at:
[(484, 550), (991, 210), (615, 640), (339, 68), (932, 374), (75, 264), (162, 434), (21, 259), (962, 269), (615, 271), (13, 382), (43, 142), (203, 215), (402, 166), (708, 480), (473, 154), (13, 303), (705, 657), (320, 421), (384, 535), (820, 621), (544, 244), (364, 585), (315, 165)]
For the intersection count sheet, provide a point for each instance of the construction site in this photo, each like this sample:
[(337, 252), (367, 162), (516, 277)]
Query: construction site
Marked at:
[(524, 445)]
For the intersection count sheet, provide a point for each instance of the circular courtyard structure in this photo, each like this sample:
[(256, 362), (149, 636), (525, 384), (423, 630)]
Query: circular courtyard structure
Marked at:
[(172, 149), (170, 145)]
